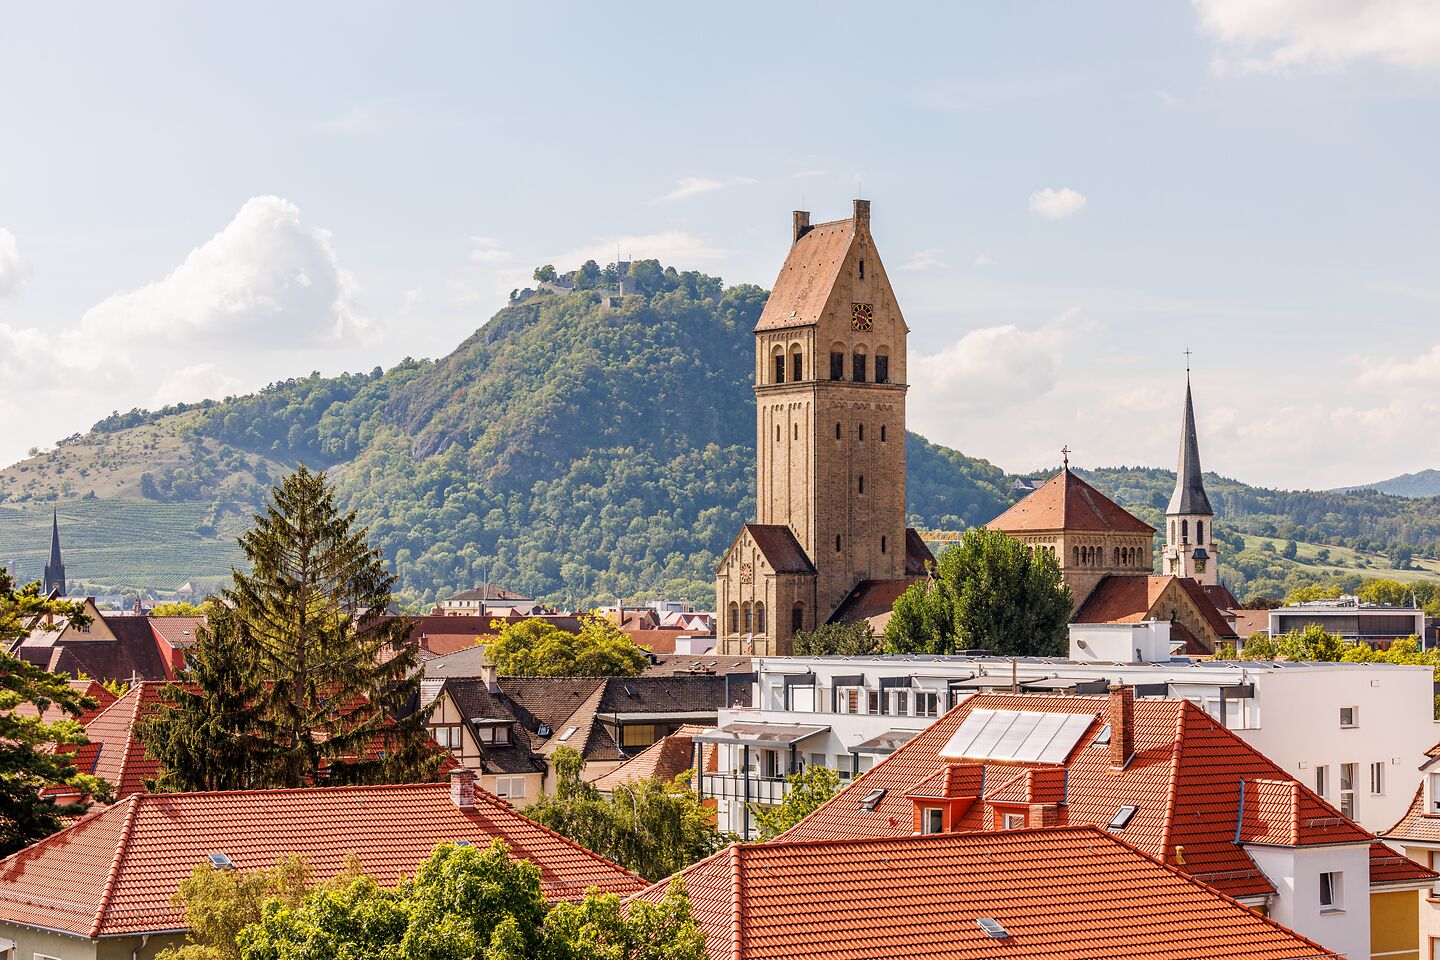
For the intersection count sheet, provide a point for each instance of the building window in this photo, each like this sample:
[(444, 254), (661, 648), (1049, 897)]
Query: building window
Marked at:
[(749, 618), (1014, 821), (1349, 717), (1332, 890), (734, 618), (837, 543), (797, 617), (933, 820), (845, 765), (759, 618), (873, 702), (1184, 531), (862, 479), (511, 788), (862, 269), (1377, 778), (927, 703), (1075, 551), (837, 431), (1347, 789), (1435, 793), (882, 433), (837, 365), (797, 363), (882, 368), (860, 432), (1322, 779), (777, 433), (882, 543), (900, 703), (857, 367), (638, 735), (779, 368), (499, 735), (795, 432), (1200, 531)]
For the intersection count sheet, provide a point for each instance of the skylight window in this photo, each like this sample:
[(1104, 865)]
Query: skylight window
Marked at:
[(543, 730), (872, 798), (992, 928), (569, 732), (462, 843), (1024, 735), (221, 862), (1102, 739), (1122, 817)]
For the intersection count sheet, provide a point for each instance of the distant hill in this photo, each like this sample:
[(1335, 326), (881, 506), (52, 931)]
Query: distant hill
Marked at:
[(576, 447), (1425, 483)]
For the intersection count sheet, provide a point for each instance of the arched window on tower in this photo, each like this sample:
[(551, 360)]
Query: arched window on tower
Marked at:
[(797, 365), (797, 617), (749, 613), (734, 617), (858, 365), (1117, 556), (779, 361), (759, 617), (1184, 531), (1172, 531), (1199, 531), (882, 364), (1075, 559), (882, 543)]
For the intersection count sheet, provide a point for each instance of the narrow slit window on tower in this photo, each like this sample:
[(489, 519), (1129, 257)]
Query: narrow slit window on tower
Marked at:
[(797, 367), (857, 367), (882, 543), (862, 269), (860, 431), (777, 433), (837, 365), (780, 369), (1199, 531), (837, 543), (795, 431), (862, 483), (837, 431), (882, 369), (882, 433)]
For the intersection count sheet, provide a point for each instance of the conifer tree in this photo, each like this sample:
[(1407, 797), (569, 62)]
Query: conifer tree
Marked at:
[(210, 734)]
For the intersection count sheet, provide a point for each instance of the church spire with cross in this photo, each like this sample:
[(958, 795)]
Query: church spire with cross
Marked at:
[(1189, 546)]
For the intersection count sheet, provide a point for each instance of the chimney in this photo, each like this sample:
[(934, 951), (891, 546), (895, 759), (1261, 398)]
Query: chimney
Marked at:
[(800, 224), (862, 215), (462, 788), (491, 676), (1122, 725)]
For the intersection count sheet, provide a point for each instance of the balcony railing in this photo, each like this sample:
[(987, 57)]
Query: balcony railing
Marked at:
[(732, 786)]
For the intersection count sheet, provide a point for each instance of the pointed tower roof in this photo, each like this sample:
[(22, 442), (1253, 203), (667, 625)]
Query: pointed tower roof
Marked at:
[(1066, 502), (55, 539), (1189, 497)]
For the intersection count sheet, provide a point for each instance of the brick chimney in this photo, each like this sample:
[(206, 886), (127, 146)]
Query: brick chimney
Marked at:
[(862, 215), (462, 788), (800, 224), (1122, 725)]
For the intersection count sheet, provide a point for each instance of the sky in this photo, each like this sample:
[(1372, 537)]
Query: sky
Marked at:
[(198, 199)]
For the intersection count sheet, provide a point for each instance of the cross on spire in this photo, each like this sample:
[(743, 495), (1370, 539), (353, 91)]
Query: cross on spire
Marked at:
[(1065, 454), (1187, 359)]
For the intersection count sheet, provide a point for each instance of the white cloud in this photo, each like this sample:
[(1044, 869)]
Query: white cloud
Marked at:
[(924, 260), (1055, 204), (487, 250), (13, 269), (200, 381), (675, 248), (1277, 35), (984, 260), (989, 367), (1409, 372), (265, 275), (694, 186)]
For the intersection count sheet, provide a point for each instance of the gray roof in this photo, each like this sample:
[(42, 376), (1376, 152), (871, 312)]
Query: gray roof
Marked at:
[(1189, 496)]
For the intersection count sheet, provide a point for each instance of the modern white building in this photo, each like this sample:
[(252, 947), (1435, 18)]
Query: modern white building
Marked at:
[(1355, 732), (1352, 619)]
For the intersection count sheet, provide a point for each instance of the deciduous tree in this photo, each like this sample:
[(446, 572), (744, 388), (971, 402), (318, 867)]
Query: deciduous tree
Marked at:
[(809, 790), (536, 648)]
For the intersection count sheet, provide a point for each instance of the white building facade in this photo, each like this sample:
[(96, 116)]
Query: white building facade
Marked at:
[(1356, 733)]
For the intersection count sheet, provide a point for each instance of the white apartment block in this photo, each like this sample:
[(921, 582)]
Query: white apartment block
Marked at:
[(1355, 732)]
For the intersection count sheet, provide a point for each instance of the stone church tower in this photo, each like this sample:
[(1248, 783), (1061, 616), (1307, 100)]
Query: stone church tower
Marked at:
[(54, 578), (1189, 548), (830, 382)]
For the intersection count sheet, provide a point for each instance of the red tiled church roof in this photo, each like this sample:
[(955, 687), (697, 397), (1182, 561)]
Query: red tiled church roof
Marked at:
[(1184, 779), (1065, 502), (811, 270), (115, 872), (919, 897), (782, 551)]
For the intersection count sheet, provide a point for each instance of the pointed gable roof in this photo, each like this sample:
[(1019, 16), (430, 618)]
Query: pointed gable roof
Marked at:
[(1065, 502), (781, 550), (1189, 496), (811, 269)]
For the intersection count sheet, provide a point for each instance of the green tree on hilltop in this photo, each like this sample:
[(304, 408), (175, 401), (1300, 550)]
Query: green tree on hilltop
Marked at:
[(988, 592), (538, 648)]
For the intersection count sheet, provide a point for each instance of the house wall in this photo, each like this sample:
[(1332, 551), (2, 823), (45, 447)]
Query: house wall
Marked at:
[(1301, 731), (1395, 925), (29, 942), (1295, 874), (1427, 903)]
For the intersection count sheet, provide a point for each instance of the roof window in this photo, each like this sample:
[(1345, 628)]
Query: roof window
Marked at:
[(872, 798), (1102, 739), (543, 730), (462, 843), (221, 862), (1122, 817), (569, 732), (992, 928)]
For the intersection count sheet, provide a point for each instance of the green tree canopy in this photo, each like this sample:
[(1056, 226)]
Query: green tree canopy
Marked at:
[(988, 592), (650, 826), (538, 648), (29, 760), (220, 903), (809, 790), (305, 668), (838, 639)]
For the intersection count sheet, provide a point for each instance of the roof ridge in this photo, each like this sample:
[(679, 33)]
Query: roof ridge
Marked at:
[(121, 843), (1173, 789), (737, 902)]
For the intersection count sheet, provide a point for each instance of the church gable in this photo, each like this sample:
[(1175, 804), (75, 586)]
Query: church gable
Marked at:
[(1067, 503)]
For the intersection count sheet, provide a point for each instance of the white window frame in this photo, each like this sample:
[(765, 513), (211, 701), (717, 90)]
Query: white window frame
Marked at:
[(932, 820), (1377, 778), (1347, 788), (1354, 720), (1332, 891), (900, 702), (1322, 779), (1012, 821), (510, 788), (927, 703)]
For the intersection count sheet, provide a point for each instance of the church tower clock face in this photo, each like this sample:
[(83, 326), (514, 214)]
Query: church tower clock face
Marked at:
[(862, 316)]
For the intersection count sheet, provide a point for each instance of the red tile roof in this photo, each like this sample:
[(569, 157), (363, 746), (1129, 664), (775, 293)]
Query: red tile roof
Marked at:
[(870, 598), (115, 872), (114, 753), (178, 632), (1065, 502), (88, 688), (664, 759), (1416, 823), (1058, 893), (1184, 779), (1126, 598), (806, 280), (780, 548)]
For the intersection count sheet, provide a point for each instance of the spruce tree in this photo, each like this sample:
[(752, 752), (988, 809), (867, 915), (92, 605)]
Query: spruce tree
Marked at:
[(339, 673), (210, 732)]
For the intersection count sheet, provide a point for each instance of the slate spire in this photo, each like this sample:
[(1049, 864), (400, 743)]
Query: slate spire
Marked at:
[(1189, 498), (55, 569)]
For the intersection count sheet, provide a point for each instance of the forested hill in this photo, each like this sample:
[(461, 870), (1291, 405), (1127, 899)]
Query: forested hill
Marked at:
[(578, 446)]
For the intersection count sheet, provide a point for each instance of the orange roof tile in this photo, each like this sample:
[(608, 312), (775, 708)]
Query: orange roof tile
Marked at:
[(1065, 502), (115, 754), (179, 632), (780, 548), (1072, 892), (1131, 598), (808, 276), (664, 759), (115, 872), (1184, 779)]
